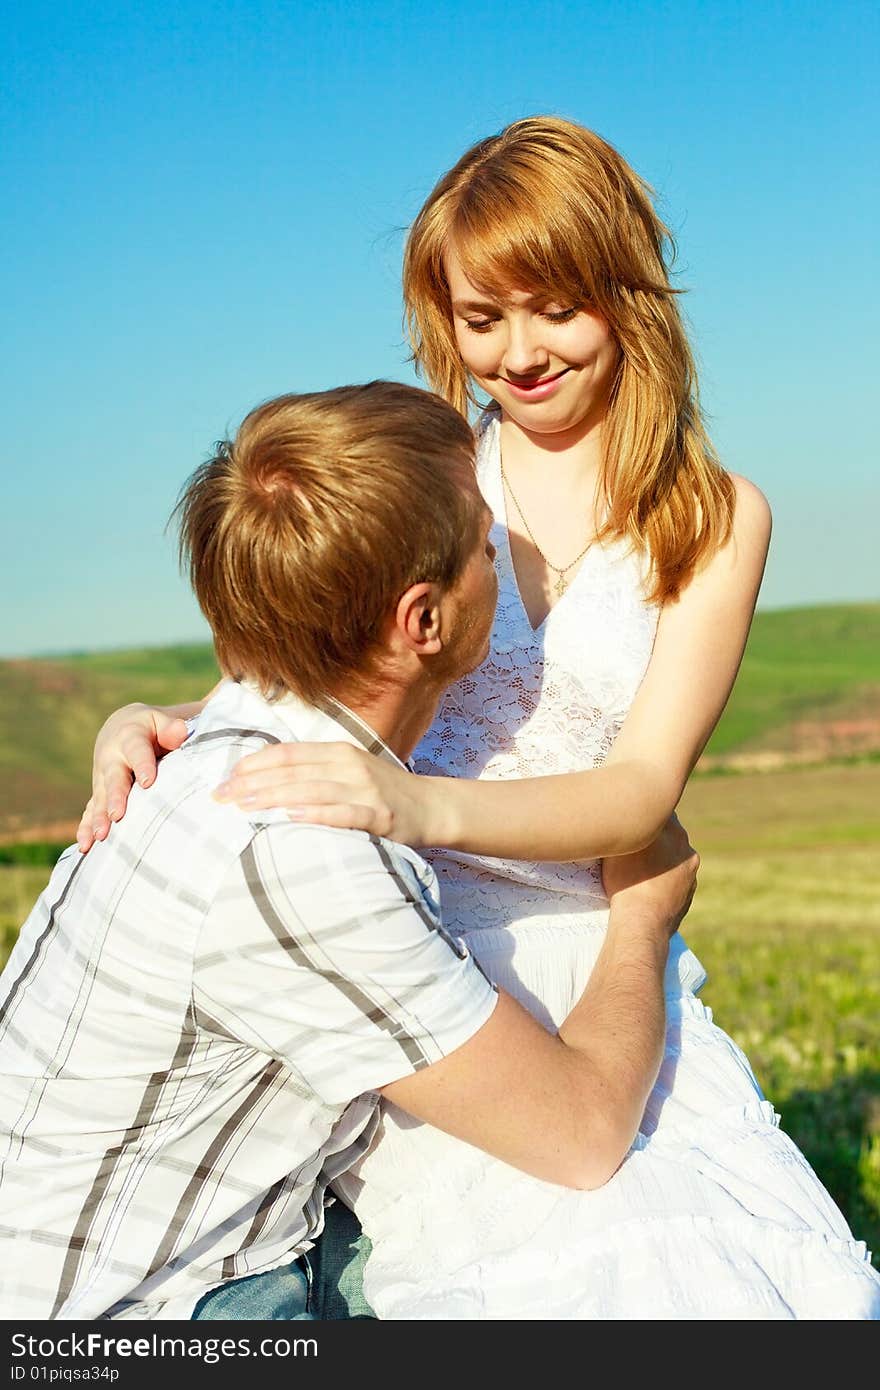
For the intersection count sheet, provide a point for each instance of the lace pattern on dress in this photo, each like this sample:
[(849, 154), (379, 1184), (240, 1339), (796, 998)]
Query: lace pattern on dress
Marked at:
[(547, 700)]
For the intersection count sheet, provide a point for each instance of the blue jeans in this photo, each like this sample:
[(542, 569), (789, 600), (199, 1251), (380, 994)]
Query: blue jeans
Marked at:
[(279, 1295), (326, 1284)]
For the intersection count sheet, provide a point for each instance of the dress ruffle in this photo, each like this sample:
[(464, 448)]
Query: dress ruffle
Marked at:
[(715, 1213)]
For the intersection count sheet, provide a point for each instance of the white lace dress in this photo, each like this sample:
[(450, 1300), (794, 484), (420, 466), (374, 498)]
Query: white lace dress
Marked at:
[(714, 1213)]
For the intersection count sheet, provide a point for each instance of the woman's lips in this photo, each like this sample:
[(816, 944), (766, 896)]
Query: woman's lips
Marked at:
[(537, 390)]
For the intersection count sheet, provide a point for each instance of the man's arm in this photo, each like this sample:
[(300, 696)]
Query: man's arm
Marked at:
[(566, 1108), (323, 950)]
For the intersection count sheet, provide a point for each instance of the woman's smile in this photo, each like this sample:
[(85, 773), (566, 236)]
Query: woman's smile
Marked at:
[(536, 388)]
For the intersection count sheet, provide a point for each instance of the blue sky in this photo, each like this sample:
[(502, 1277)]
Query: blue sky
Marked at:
[(204, 205)]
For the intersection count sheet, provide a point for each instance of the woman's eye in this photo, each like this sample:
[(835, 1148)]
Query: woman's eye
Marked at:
[(480, 325), (560, 315)]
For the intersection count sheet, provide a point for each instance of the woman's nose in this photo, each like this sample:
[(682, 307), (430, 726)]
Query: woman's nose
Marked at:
[(524, 354)]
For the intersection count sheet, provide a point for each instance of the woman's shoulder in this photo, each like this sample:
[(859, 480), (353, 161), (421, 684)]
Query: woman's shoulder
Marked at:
[(751, 512), (486, 433)]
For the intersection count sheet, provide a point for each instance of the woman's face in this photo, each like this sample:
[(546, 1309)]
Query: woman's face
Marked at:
[(549, 366)]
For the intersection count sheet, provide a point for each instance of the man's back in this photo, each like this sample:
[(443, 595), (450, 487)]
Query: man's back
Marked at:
[(186, 1016)]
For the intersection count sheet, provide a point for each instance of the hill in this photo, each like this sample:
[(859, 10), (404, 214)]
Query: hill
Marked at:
[(50, 711), (809, 689)]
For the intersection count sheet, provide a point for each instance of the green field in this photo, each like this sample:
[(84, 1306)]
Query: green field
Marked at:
[(50, 712), (787, 923), (819, 666), (809, 687)]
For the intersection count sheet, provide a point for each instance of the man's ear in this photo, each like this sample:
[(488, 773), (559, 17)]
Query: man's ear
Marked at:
[(418, 621)]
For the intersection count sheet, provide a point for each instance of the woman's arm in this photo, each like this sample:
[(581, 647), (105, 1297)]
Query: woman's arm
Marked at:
[(622, 806), (603, 811)]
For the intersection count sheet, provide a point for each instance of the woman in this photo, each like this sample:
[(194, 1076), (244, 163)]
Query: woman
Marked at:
[(629, 566)]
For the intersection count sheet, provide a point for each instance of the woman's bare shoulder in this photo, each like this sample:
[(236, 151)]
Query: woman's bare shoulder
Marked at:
[(752, 510)]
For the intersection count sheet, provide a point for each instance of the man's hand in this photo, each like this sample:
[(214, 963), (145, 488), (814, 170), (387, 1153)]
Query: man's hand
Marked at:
[(658, 882)]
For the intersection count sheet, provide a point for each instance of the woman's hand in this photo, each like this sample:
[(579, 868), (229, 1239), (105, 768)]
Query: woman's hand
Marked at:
[(128, 748), (340, 785)]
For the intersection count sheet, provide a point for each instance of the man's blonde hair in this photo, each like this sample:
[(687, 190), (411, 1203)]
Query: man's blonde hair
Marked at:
[(550, 207), (302, 532)]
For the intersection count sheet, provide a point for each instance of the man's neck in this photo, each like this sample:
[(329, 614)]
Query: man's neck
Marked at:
[(400, 716)]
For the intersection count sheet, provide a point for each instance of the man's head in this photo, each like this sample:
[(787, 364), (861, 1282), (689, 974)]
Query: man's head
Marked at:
[(330, 527)]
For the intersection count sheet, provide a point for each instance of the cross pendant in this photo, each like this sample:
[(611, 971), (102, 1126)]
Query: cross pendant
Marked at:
[(559, 586)]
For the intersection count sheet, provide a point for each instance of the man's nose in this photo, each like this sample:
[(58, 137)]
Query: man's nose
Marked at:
[(524, 355)]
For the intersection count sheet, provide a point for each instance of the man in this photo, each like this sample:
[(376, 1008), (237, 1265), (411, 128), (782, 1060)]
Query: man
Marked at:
[(199, 1014)]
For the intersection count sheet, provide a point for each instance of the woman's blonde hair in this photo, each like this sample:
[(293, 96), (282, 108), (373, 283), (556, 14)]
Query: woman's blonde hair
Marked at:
[(550, 207)]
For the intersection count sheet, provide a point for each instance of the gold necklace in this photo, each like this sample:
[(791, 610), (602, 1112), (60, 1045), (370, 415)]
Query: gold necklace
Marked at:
[(561, 571)]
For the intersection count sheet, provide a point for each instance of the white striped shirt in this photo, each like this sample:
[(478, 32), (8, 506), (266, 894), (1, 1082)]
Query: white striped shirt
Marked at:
[(193, 1024)]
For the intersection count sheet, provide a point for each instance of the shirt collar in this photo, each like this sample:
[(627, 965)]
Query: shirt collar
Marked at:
[(360, 731), (329, 719)]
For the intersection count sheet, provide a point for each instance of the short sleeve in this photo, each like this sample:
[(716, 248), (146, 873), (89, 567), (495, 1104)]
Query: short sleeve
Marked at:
[(324, 949)]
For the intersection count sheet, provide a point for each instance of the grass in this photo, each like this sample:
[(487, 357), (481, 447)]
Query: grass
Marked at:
[(801, 663), (787, 923), (50, 712), (20, 887)]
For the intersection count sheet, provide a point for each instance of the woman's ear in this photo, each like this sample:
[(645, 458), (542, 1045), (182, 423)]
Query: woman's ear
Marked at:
[(418, 620)]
